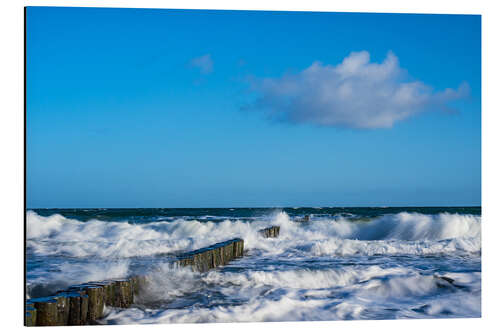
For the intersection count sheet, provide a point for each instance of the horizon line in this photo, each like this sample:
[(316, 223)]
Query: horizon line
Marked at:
[(249, 207)]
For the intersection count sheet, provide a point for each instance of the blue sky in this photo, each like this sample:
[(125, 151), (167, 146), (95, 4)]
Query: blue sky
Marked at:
[(171, 108)]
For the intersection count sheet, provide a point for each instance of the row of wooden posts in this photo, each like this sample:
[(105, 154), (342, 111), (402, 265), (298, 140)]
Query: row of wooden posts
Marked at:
[(83, 304), (273, 231), (219, 254)]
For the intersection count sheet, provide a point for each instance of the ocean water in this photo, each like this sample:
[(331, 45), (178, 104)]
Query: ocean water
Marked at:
[(345, 264)]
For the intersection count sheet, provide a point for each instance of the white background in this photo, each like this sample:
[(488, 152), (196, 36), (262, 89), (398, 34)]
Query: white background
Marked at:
[(12, 163)]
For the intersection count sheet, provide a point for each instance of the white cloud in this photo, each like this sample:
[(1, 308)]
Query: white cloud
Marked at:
[(204, 63), (356, 93)]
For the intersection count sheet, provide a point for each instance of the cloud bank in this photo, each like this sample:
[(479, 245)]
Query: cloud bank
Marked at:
[(356, 93), (204, 63)]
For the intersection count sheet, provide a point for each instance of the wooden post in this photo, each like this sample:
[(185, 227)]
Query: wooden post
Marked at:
[(108, 291), (270, 232), (96, 299), (62, 309), (30, 315), (124, 296), (46, 311), (213, 256), (78, 308)]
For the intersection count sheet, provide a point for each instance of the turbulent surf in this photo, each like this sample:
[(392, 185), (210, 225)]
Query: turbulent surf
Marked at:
[(344, 263)]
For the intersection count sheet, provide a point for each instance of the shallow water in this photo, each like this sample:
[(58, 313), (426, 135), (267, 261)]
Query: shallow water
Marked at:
[(347, 263)]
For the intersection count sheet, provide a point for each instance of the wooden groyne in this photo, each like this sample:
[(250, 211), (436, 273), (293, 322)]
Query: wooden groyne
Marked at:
[(83, 304), (212, 256), (271, 232)]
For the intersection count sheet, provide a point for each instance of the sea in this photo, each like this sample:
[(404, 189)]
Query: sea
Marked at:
[(345, 263)]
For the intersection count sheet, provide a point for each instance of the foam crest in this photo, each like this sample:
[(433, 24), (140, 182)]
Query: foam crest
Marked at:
[(404, 233), (414, 226), (332, 294), (401, 226), (57, 235), (301, 279), (344, 247), (390, 234)]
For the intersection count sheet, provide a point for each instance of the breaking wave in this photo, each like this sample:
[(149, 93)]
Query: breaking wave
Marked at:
[(410, 233), (331, 268), (332, 294)]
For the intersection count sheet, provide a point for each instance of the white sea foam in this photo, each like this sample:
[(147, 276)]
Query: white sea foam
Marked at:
[(331, 294), (166, 283), (390, 234), (274, 281)]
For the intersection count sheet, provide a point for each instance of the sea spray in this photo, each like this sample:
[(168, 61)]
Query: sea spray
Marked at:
[(342, 264)]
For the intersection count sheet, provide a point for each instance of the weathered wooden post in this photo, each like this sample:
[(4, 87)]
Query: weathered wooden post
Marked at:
[(273, 232), (30, 315), (218, 253), (108, 291), (96, 302), (96, 299), (185, 261), (46, 311), (78, 308), (203, 260), (227, 252), (62, 309), (124, 296), (138, 283), (238, 249), (213, 256)]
